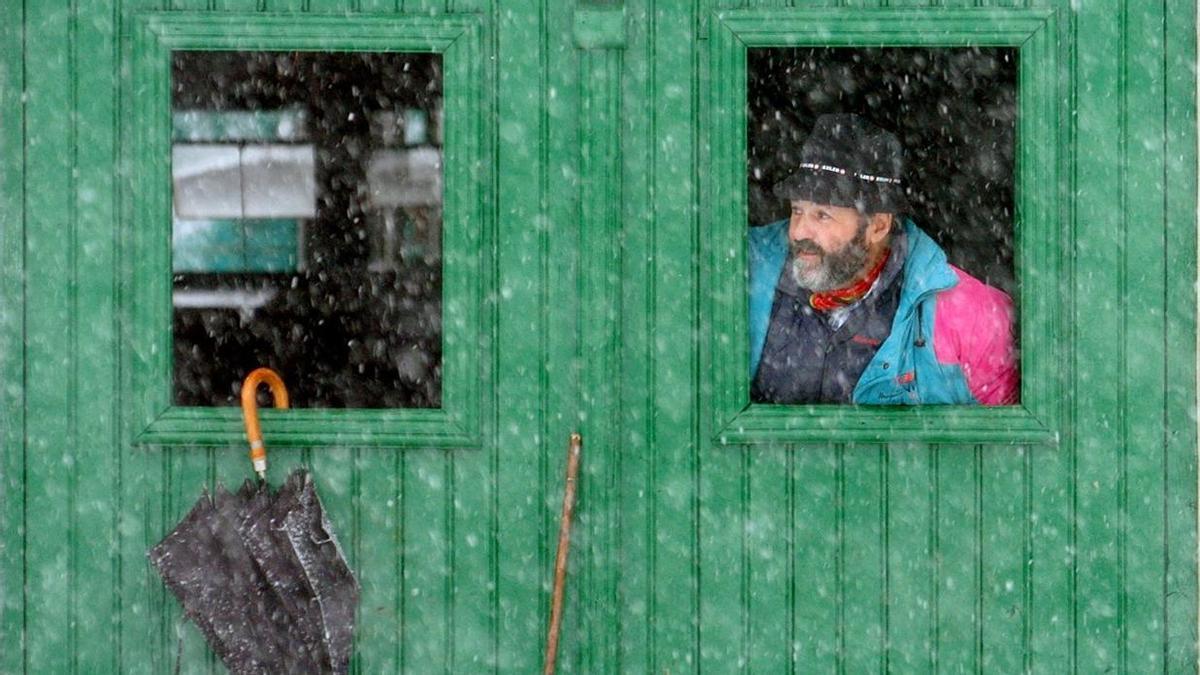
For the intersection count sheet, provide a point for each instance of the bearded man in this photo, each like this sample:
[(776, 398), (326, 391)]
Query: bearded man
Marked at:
[(850, 302)]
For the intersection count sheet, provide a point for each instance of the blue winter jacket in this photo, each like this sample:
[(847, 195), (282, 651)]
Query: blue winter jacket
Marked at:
[(905, 370)]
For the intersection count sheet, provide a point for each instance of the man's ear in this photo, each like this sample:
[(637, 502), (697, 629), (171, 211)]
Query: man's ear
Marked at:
[(879, 227)]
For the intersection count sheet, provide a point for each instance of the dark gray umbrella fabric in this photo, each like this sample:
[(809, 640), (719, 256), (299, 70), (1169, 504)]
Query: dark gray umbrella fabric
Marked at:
[(264, 579)]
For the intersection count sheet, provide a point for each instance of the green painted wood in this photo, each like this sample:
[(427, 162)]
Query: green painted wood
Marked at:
[(94, 312), (816, 558), (957, 570), (12, 334), (340, 6), (599, 289), (1036, 418), (1180, 440), (638, 478), (722, 619), (529, 436), (1142, 604), (50, 338), (456, 423), (426, 548), (237, 5), (766, 539), (911, 499), (1050, 561), (378, 6), (473, 623), (378, 559), (863, 548), (676, 299), (423, 7), (286, 5), (191, 4), (1003, 520), (897, 555), (1099, 291)]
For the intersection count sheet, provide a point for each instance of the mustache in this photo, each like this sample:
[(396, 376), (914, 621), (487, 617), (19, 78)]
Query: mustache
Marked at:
[(806, 246)]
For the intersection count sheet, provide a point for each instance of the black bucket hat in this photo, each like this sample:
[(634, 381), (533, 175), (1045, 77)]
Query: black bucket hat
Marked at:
[(847, 161)]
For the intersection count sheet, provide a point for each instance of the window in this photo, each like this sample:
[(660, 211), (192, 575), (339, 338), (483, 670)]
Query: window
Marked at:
[(918, 74), (952, 112), (307, 198), (306, 194)]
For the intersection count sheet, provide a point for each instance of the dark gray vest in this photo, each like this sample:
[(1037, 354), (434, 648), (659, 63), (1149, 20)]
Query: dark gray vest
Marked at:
[(806, 360)]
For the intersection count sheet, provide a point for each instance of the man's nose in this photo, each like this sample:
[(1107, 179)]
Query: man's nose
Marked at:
[(799, 227)]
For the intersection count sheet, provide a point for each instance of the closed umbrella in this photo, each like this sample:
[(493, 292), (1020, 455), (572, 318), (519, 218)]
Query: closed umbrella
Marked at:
[(260, 572)]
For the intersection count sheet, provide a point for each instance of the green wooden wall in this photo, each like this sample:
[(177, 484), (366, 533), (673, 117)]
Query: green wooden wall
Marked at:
[(1076, 555)]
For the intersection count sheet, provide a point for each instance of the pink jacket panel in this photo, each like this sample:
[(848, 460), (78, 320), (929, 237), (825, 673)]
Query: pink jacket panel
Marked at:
[(973, 327)]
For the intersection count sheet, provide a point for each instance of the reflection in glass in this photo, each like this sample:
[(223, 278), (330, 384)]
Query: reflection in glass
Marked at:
[(307, 197)]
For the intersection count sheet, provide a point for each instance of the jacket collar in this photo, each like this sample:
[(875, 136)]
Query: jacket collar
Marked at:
[(925, 270)]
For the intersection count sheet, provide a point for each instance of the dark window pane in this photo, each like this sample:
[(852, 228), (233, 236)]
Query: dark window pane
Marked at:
[(308, 226)]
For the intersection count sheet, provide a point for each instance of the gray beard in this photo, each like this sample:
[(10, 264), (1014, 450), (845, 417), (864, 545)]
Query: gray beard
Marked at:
[(834, 269)]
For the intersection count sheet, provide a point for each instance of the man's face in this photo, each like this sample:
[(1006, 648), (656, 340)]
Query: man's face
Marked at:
[(832, 245)]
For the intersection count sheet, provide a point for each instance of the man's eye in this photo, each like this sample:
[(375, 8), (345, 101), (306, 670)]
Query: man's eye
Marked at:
[(822, 215)]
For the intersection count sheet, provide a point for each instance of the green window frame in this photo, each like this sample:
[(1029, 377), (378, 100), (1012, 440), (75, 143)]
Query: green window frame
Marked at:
[(1039, 252), (151, 418)]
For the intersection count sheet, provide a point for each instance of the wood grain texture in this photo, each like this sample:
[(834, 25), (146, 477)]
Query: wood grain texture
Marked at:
[(604, 177), (12, 333)]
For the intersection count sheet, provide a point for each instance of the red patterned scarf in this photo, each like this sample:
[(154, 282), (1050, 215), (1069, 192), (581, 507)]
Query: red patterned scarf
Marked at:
[(840, 297)]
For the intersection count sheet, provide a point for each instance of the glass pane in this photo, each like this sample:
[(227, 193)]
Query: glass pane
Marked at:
[(944, 163), (307, 195)]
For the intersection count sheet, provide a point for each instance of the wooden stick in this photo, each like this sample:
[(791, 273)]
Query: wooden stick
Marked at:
[(574, 447)]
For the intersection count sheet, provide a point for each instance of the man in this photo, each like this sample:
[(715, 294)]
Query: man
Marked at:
[(850, 302)]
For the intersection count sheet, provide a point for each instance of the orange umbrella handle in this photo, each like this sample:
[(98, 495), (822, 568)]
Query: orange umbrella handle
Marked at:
[(258, 452)]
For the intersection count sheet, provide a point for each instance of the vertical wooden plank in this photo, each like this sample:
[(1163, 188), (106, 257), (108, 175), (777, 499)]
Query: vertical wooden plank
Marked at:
[(423, 7), (143, 513), (555, 87), (1003, 558), (1180, 586), (96, 347), (377, 554), (639, 521), (676, 287), (815, 558), (237, 5), (330, 6), (722, 522), (767, 535), (190, 4), (957, 573), (1050, 560), (426, 550), (1144, 460), (522, 257), (910, 623), (863, 584), (472, 619), (378, 6), (809, 4), (285, 5), (1099, 292), (50, 481), (721, 469), (189, 474), (598, 321), (12, 335)]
